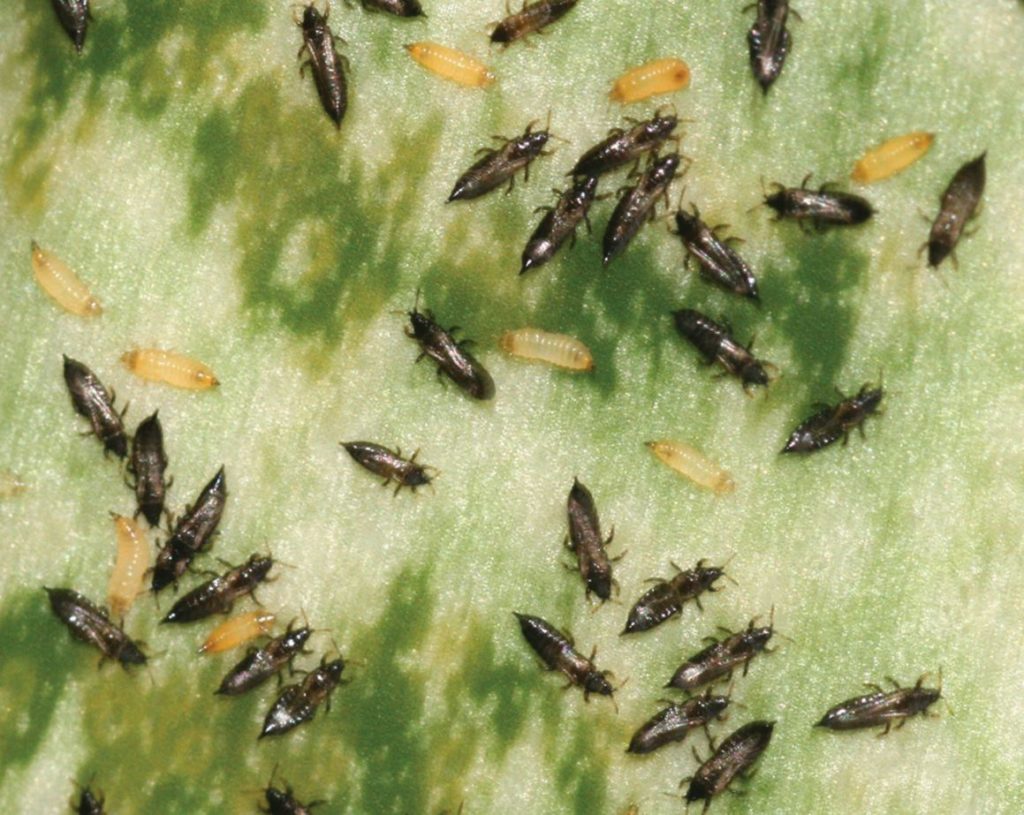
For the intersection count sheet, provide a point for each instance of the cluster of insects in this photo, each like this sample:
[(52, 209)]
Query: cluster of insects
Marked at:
[(718, 263)]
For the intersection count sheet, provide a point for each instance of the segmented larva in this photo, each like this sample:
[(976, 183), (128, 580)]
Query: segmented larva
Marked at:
[(57, 279), (170, 368), (450, 64), (651, 78), (891, 157), (11, 484), (694, 465), (544, 346), (237, 631), (130, 566)]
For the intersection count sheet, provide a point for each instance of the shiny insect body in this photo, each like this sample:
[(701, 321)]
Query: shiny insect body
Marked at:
[(586, 542), (91, 625), (129, 574), (405, 472), (734, 757), (147, 464), (217, 596), (650, 79), (536, 344), (61, 283), (74, 16), (88, 803), (533, 17), (822, 207), (624, 146), (237, 631), (721, 657), (171, 368), (667, 597), (298, 703), (327, 65), (396, 8), (692, 464), (560, 223), (192, 533), (500, 165), (264, 662), (715, 342), (719, 263), (959, 203), (882, 708), (557, 652), (675, 721), (283, 801), (447, 63), (452, 358), (834, 422), (769, 41), (891, 157), (91, 400), (637, 206)]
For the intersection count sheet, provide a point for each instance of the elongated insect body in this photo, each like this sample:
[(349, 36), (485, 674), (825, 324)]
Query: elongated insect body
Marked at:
[(624, 146), (587, 543), (451, 357), (650, 79), (91, 625), (381, 461), (447, 63), (692, 464), (169, 367), (283, 801), (192, 533), (217, 596), (769, 41), (881, 708), (560, 223), (74, 16), (715, 342), (721, 657), (129, 574), (91, 400), (675, 721), (299, 703), (959, 203), (834, 422), (88, 803), (821, 207), (637, 206), (237, 631), (734, 756), (328, 67), (536, 344), (11, 484), (719, 263), (891, 157), (396, 8), (264, 662), (533, 17), (63, 286), (147, 464), (667, 597), (498, 166), (558, 654)]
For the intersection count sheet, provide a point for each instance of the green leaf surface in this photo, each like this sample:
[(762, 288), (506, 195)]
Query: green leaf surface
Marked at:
[(184, 169)]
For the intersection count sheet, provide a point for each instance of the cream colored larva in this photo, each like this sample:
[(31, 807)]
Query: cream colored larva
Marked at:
[(237, 631), (170, 368), (58, 280), (891, 157), (651, 78), (694, 465), (130, 567), (455, 66), (11, 484), (544, 346)]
